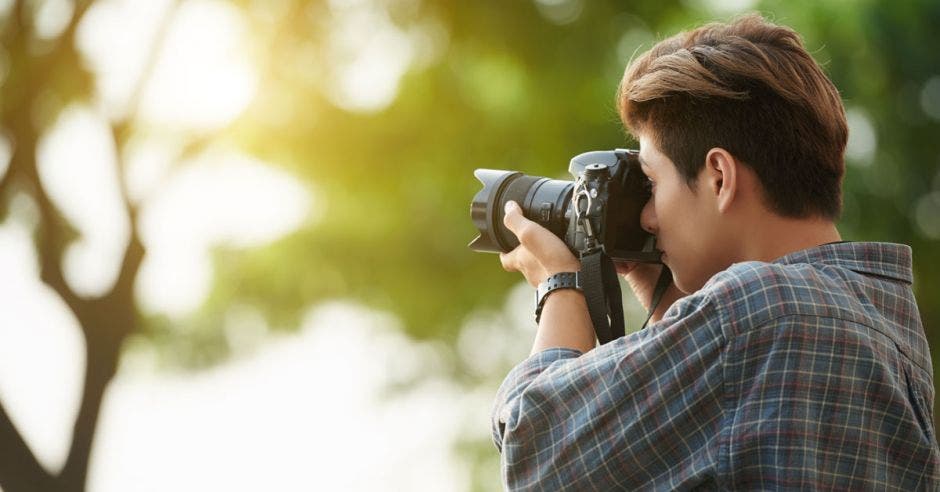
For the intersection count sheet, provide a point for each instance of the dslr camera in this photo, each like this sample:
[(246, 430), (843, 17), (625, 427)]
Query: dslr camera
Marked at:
[(598, 211)]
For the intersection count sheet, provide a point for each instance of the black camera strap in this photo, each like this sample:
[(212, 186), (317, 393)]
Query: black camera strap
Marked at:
[(602, 292), (665, 278), (604, 298)]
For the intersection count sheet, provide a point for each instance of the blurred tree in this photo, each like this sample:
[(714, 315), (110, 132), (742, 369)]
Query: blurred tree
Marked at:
[(40, 73), (514, 85), (43, 77)]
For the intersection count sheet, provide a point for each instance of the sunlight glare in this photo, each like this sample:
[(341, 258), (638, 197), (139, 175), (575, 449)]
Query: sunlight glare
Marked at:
[(114, 38), (863, 140), (366, 69), (52, 17), (78, 167), (221, 198), (150, 161), (203, 78), (304, 413)]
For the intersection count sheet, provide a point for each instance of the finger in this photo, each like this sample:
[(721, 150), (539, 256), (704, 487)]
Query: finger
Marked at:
[(521, 260), (648, 272), (509, 260), (538, 240), (527, 264), (625, 267), (513, 218)]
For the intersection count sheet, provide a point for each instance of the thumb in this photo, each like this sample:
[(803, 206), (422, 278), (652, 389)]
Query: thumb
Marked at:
[(513, 219)]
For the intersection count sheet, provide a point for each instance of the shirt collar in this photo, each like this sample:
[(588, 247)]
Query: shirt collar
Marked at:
[(883, 259)]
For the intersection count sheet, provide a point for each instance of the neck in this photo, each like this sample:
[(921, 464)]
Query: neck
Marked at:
[(778, 236)]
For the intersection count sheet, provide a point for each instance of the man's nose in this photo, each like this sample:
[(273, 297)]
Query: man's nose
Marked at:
[(648, 218)]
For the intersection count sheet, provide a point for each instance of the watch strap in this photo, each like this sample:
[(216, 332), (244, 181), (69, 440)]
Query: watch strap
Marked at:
[(558, 281)]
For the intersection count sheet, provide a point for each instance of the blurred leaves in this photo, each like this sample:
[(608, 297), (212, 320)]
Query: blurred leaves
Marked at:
[(394, 184), (511, 85)]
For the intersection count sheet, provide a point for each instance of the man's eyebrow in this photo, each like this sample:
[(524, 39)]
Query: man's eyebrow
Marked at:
[(642, 162)]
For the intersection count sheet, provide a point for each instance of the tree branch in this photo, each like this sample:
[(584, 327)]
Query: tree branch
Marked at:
[(109, 319), (102, 360), (6, 180), (105, 321), (120, 132), (151, 62), (19, 469), (53, 238)]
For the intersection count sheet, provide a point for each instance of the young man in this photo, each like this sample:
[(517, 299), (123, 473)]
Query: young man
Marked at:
[(786, 359)]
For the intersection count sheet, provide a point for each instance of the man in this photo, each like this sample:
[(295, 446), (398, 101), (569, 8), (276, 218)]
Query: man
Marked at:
[(787, 359)]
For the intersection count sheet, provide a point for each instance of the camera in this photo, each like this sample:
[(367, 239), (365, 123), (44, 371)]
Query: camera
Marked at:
[(599, 210)]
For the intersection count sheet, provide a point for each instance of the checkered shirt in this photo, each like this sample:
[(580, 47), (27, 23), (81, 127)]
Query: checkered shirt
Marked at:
[(811, 372)]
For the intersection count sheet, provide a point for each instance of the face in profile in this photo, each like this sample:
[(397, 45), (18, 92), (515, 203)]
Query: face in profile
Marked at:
[(685, 220)]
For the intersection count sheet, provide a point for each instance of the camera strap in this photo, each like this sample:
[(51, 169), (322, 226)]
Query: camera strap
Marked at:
[(665, 278), (604, 298), (602, 292)]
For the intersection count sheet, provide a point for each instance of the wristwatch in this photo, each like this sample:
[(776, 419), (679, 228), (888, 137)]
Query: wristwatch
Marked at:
[(563, 280)]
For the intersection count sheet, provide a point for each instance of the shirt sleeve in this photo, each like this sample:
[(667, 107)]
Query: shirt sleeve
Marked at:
[(644, 410)]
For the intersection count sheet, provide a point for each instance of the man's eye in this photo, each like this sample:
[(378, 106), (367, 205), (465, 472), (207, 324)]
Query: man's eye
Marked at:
[(650, 184)]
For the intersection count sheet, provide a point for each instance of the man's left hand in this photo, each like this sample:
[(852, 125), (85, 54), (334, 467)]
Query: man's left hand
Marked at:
[(540, 253)]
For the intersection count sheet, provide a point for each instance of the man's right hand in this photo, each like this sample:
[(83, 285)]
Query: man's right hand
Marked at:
[(642, 279)]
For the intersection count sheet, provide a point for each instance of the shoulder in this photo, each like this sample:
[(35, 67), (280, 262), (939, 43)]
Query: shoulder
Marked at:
[(750, 275), (754, 293)]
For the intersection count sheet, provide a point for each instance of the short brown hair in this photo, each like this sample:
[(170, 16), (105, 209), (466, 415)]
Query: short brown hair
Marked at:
[(750, 88)]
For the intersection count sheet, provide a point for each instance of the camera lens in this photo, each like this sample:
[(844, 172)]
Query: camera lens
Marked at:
[(543, 200)]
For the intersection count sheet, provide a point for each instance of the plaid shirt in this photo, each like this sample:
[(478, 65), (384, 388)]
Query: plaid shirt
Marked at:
[(811, 372)]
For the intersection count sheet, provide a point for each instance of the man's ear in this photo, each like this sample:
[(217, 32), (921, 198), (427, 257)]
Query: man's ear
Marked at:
[(722, 178)]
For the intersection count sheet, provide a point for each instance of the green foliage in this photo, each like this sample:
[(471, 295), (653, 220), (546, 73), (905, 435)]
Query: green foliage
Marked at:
[(394, 186)]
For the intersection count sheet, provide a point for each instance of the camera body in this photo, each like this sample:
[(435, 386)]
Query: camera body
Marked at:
[(600, 209)]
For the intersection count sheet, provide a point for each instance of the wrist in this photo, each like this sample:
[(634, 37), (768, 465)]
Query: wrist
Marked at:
[(567, 266), (565, 323), (554, 283)]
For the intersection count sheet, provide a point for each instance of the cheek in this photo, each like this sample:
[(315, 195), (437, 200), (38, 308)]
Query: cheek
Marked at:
[(670, 211), (701, 255), (663, 206), (686, 235)]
